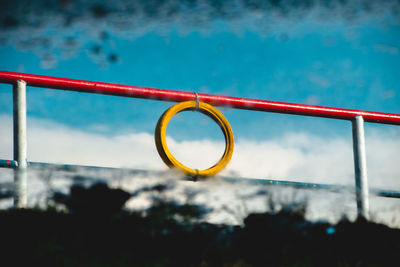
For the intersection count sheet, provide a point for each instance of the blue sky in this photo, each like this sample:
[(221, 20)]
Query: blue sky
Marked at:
[(349, 66)]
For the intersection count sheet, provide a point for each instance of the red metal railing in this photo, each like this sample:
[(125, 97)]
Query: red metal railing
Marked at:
[(177, 96)]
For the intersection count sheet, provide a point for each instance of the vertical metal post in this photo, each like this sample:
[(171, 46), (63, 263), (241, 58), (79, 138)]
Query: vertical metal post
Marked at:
[(20, 144), (360, 167)]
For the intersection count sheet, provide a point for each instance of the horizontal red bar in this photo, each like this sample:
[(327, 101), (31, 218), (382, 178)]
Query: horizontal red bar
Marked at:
[(177, 96)]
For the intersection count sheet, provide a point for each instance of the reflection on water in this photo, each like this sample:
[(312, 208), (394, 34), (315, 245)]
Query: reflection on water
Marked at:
[(229, 202)]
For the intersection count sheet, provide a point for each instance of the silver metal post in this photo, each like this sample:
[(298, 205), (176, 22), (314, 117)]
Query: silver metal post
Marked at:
[(360, 167), (20, 144)]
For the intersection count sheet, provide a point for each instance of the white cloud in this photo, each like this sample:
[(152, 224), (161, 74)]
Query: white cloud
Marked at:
[(56, 143), (293, 156)]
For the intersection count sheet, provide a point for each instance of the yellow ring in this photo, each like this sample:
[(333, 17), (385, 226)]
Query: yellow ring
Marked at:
[(210, 111)]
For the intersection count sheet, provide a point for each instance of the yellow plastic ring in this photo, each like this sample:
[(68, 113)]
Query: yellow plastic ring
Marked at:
[(210, 111)]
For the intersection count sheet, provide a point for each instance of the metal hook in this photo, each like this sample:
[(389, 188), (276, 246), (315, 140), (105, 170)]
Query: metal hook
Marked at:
[(196, 98)]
